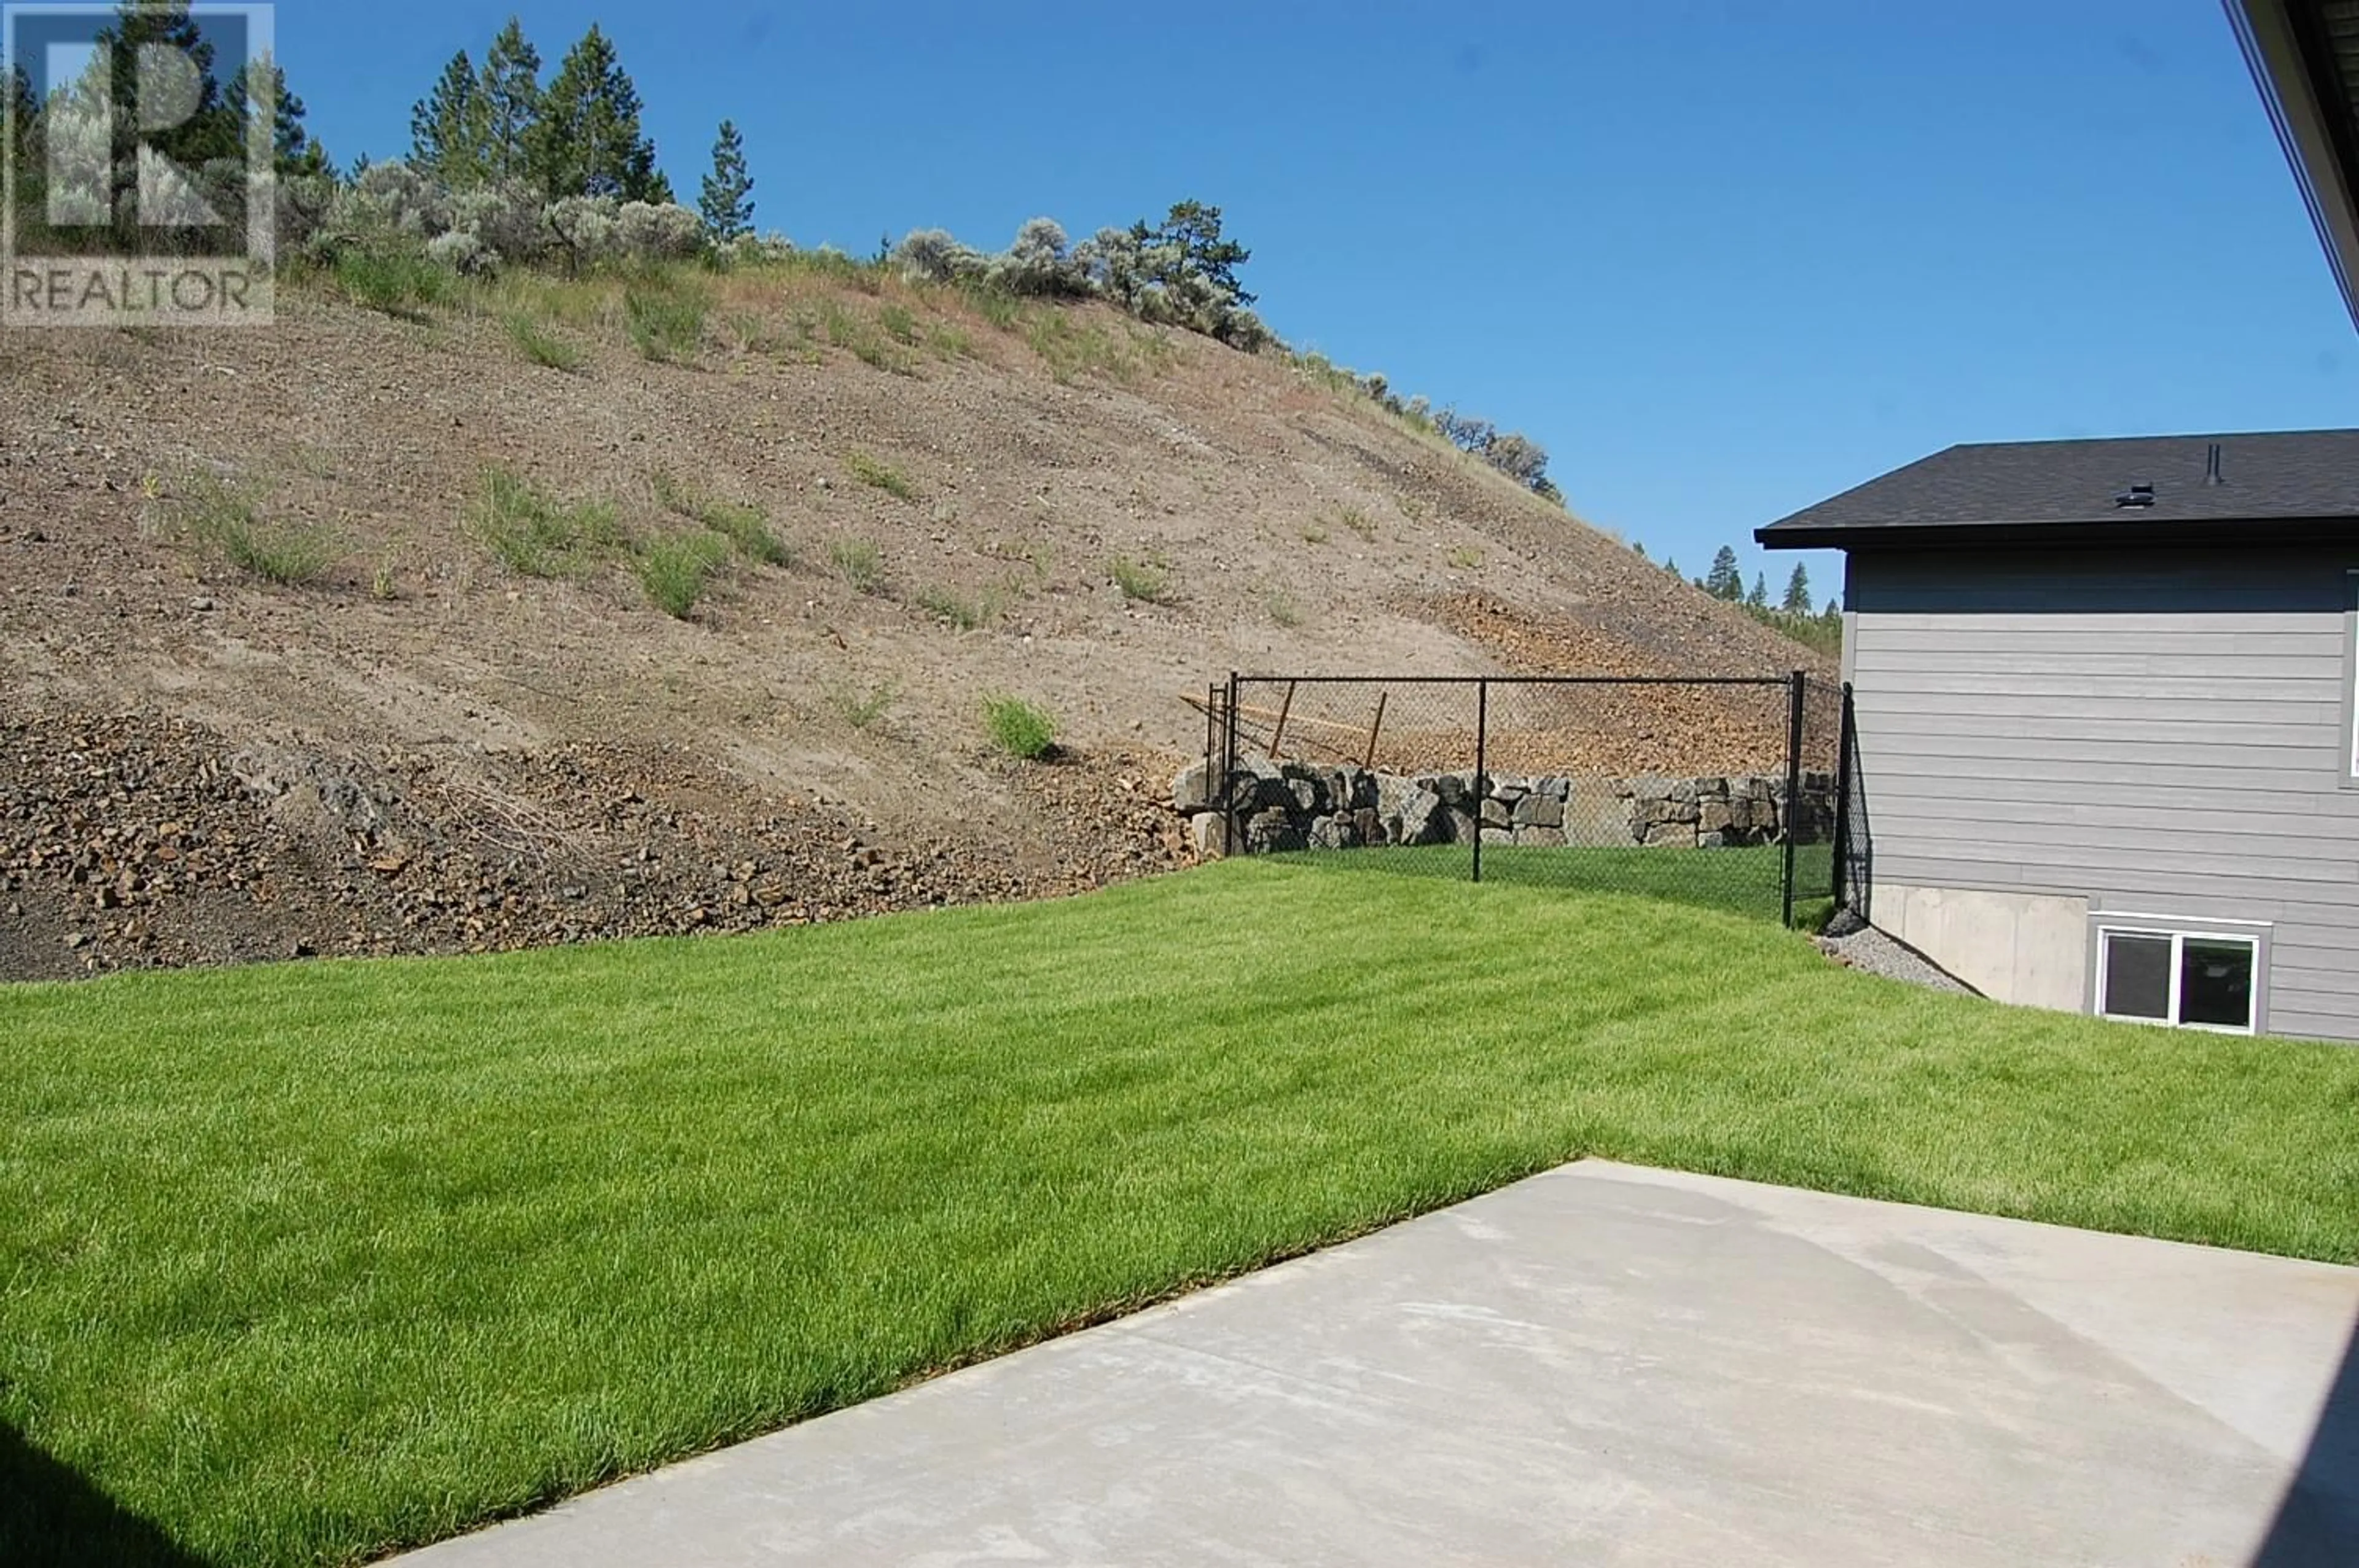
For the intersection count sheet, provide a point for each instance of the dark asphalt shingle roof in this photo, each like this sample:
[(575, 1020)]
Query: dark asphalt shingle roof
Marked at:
[(2024, 486)]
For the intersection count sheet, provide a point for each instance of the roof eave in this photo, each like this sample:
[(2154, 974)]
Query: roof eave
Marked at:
[(2329, 530), (2308, 98)]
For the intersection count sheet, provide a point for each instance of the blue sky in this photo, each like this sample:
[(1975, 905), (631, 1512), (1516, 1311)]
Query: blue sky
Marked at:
[(1723, 260)]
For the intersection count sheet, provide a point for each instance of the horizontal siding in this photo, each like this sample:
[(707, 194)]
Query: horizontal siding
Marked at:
[(2077, 858), (2312, 717), (2230, 822), (2007, 656), (2081, 775), (2336, 982), (2158, 741), (2230, 835), (2214, 737), (2317, 1016), (2129, 693), (2307, 953), (2283, 767), (2257, 631)]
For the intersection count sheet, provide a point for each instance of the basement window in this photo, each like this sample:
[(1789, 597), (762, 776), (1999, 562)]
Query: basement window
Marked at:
[(2190, 977)]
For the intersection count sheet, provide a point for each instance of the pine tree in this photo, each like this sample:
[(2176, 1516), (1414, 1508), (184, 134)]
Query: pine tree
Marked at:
[(449, 128), (1195, 229), (1797, 591), (207, 132), (1759, 597), (1671, 566), (23, 112), (727, 203), (24, 108), (588, 142), (293, 152), (1725, 581), (509, 94)]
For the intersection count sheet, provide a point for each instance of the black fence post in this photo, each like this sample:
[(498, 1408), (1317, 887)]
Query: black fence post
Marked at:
[(1793, 783), (1842, 805), (1482, 761), (1212, 730), (1229, 774)]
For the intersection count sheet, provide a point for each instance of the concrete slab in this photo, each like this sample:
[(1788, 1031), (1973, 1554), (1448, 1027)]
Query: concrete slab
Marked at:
[(1601, 1364)]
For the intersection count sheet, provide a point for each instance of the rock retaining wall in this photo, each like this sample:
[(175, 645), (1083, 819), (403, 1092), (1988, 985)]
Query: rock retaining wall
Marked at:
[(1277, 807)]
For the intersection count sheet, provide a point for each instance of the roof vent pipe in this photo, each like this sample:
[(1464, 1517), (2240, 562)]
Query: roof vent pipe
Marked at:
[(2212, 465)]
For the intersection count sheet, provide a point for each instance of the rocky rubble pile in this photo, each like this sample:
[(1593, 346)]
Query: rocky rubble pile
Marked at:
[(131, 841), (1269, 807)]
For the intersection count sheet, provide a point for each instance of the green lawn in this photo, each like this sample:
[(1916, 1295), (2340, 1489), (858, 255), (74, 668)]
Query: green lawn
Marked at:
[(301, 1262), (1742, 881)]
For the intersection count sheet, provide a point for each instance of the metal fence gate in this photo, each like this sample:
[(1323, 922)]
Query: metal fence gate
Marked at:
[(1732, 792)]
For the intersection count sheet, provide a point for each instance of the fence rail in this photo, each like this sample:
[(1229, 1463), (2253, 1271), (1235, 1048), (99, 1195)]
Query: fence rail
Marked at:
[(1730, 791)]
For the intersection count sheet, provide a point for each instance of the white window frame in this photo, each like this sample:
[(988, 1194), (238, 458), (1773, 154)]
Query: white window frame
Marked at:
[(2179, 931)]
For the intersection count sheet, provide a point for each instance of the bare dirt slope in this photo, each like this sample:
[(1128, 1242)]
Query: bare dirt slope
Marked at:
[(422, 750)]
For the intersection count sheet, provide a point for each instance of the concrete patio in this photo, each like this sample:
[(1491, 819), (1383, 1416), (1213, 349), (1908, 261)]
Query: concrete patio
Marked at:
[(1603, 1364)]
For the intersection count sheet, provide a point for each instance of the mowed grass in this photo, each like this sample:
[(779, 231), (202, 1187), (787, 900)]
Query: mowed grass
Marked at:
[(307, 1261), (1749, 880)]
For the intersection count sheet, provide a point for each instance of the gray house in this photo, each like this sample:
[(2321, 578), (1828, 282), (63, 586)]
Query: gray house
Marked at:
[(2104, 697)]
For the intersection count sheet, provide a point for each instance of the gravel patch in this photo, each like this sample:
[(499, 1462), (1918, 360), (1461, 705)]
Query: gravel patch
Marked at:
[(1872, 952)]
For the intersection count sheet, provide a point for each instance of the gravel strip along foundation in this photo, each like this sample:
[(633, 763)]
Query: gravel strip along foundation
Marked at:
[(1865, 948)]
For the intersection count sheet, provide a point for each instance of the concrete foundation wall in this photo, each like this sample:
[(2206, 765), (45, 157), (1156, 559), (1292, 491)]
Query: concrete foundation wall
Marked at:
[(2027, 949)]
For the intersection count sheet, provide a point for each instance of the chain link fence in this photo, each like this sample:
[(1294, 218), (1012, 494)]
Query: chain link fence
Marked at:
[(1709, 790)]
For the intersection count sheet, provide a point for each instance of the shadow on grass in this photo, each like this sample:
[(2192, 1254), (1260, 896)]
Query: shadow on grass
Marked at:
[(2317, 1525), (52, 1518)]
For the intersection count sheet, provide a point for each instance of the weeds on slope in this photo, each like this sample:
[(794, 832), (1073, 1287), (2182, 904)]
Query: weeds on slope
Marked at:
[(228, 520), (534, 533)]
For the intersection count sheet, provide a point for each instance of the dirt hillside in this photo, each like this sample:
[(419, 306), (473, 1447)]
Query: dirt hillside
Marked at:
[(421, 749)]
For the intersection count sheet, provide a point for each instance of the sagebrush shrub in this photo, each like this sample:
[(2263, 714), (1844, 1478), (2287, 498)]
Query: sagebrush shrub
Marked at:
[(935, 255), (463, 254), (305, 204), (1110, 262), (583, 227), (508, 217), (649, 232), (1038, 263), (393, 195), (748, 250)]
